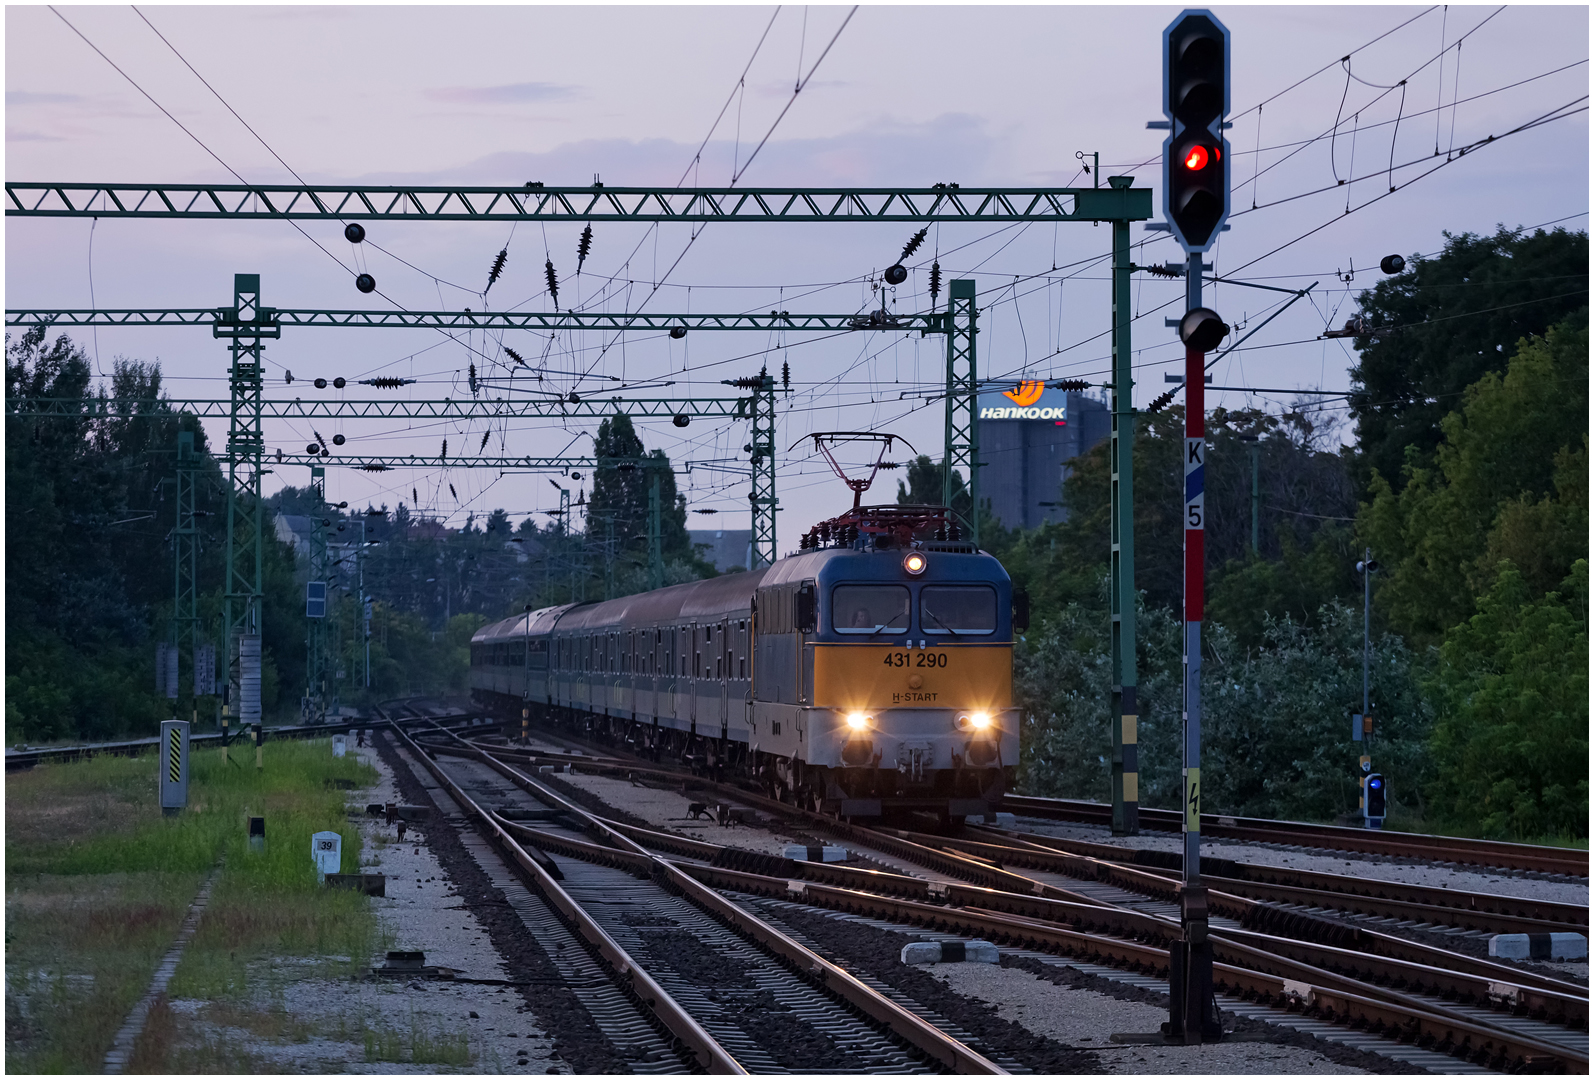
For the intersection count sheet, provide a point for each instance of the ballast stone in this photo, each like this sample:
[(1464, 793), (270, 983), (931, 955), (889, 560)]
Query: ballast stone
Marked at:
[(827, 853), (1539, 946), (951, 952)]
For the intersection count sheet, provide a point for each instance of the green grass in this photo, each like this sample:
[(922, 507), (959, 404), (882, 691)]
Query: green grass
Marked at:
[(98, 881), (419, 1047)]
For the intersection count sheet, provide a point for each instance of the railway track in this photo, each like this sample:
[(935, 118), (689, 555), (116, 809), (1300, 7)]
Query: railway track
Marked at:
[(635, 912), (1348, 975), (1492, 853)]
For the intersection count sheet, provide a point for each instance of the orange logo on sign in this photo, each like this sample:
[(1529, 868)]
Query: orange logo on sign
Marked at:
[(1028, 393)]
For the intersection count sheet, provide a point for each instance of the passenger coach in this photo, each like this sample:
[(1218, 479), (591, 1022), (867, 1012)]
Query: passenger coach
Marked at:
[(869, 672)]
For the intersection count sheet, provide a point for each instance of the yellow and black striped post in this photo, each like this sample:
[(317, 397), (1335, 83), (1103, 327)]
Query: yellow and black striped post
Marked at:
[(174, 765)]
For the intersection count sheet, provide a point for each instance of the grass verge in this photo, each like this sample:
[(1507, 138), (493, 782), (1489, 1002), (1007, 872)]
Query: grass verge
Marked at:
[(98, 882)]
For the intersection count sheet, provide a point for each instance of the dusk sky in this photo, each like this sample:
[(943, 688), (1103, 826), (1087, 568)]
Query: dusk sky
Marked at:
[(905, 95)]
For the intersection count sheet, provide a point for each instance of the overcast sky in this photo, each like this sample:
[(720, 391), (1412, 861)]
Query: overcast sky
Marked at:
[(905, 95)]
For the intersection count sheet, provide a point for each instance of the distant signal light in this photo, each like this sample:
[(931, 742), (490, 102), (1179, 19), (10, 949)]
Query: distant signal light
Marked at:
[(1199, 157)]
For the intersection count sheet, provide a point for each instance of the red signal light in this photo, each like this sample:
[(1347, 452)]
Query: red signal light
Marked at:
[(1198, 157)]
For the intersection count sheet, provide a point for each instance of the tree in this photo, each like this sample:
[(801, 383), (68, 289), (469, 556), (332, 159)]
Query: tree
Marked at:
[(1511, 744), (1436, 328), (1509, 481)]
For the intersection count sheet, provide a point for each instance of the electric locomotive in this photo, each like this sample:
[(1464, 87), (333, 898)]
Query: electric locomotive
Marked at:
[(867, 674)]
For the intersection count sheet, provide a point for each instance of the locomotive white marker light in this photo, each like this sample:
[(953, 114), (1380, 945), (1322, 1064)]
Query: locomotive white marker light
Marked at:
[(915, 563)]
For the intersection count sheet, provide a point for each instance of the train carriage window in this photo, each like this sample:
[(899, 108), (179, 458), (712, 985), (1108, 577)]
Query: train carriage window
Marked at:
[(957, 609), (869, 609)]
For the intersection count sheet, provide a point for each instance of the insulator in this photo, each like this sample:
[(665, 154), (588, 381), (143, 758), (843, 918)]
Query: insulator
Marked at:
[(354, 232), (785, 374), (485, 436), (513, 355), (373, 468), (445, 448), (365, 283), (1161, 401), (415, 498), (935, 280), (279, 453), (498, 268), (553, 283), (320, 438), (473, 377), (583, 247), (1164, 271), (386, 382), (340, 382), (320, 384), (706, 510), (913, 245), (338, 440), (1070, 384), (452, 492), (287, 376)]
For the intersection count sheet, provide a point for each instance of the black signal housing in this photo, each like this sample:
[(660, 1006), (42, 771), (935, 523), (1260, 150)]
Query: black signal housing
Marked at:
[(1195, 80)]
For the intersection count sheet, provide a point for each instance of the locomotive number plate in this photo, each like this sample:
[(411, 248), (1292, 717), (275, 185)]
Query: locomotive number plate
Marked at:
[(916, 659)]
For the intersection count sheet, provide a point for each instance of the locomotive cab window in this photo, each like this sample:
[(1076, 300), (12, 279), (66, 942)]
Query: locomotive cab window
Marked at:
[(869, 609), (957, 609)]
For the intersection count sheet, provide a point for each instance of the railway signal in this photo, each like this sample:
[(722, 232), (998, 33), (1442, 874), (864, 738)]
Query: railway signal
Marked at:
[(1196, 202), (1195, 156), (1374, 799)]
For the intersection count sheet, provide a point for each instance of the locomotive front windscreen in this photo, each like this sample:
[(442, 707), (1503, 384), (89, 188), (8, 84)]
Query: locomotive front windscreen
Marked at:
[(957, 609), (869, 609)]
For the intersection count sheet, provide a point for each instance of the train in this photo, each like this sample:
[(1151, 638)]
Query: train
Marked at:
[(868, 675)]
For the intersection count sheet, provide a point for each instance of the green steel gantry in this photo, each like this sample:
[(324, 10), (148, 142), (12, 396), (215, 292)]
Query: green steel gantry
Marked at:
[(597, 202), (247, 324)]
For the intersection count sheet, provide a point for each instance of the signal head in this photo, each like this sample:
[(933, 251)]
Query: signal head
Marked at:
[(1201, 329)]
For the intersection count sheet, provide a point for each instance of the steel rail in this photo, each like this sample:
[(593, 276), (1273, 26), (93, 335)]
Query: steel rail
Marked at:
[(988, 863), (923, 1036), (1570, 861), (1364, 954), (27, 759), (641, 986), (1490, 918), (597, 202), (1496, 987), (1234, 872), (1318, 991)]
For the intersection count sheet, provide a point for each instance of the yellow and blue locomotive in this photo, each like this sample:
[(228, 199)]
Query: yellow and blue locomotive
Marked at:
[(870, 672)]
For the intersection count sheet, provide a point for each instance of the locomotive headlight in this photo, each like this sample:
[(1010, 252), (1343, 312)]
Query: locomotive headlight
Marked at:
[(980, 720), (915, 563), (857, 721)]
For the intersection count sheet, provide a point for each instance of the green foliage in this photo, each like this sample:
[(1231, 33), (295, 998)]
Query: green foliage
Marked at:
[(1509, 482), (1511, 743), (1442, 324), (1304, 487), (1276, 735)]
